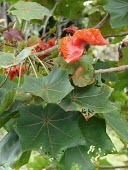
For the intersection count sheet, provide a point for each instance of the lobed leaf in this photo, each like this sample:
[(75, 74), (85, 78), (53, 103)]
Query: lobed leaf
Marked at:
[(12, 111), (94, 132), (76, 158), (118, 10), (29, 10), (51, 88), (49, 130), (119, 124), (6, 99), (74, 9), (10, 149), (6, 59), (89, 100)]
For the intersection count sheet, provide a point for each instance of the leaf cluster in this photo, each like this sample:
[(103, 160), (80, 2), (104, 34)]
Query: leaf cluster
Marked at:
[(61, 110)]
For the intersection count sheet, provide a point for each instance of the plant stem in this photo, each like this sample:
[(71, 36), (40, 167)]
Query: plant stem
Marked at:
[(46, 51), (45, 68), (47, 18), (111, 167), (116, 35), (4, 81), (103, 21), (21, 64), (33, 67), (111, 70)]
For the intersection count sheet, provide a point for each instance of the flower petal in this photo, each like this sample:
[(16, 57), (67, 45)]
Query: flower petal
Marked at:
[(72, 48), (91, 36)]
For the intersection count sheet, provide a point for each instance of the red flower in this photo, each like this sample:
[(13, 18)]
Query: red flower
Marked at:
[(14, 72), (91, 36), (72, 48), (44, 46), (70, 29)]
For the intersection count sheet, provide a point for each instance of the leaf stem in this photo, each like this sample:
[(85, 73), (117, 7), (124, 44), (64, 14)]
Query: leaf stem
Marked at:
[(4, 81), (33, 67), (103, 21), (45, 68), (20, 72)]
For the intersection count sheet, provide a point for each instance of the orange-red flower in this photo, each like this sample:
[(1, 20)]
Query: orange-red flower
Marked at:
[(91, 36), (72, 47), (14, 71), (43, 46)]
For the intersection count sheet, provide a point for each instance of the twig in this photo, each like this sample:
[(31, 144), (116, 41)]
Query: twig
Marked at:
[(47, 18), (20, 73), (111, 167), (116, 35), (46, 51), (111, 70), (59, 27), (102, 22)]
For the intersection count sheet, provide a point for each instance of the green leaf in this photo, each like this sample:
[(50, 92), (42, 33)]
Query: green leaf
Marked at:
[(118, 10), (82, 71), (122, 82), (74, 9), (39, 162), (10, 149), (96, 18), (12, 1), (49, 130), (6, 59), (8, 85), (29, 10), (23, 55), (7, 94), (47, 3), (76, 158), (82, 78), (24, 158), (6, 99), (94, 131), (51, 88), (118, 123), (84, 74), (7, 115), (89, 100)]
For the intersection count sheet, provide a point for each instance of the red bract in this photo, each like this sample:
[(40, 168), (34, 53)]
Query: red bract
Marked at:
[(70, 29), (71, 48), (91, 36), (44, 46), (14, 72)]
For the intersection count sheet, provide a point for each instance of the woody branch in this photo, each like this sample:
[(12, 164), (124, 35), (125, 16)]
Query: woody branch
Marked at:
[(112, 70), (102, 71), (111, 167)]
